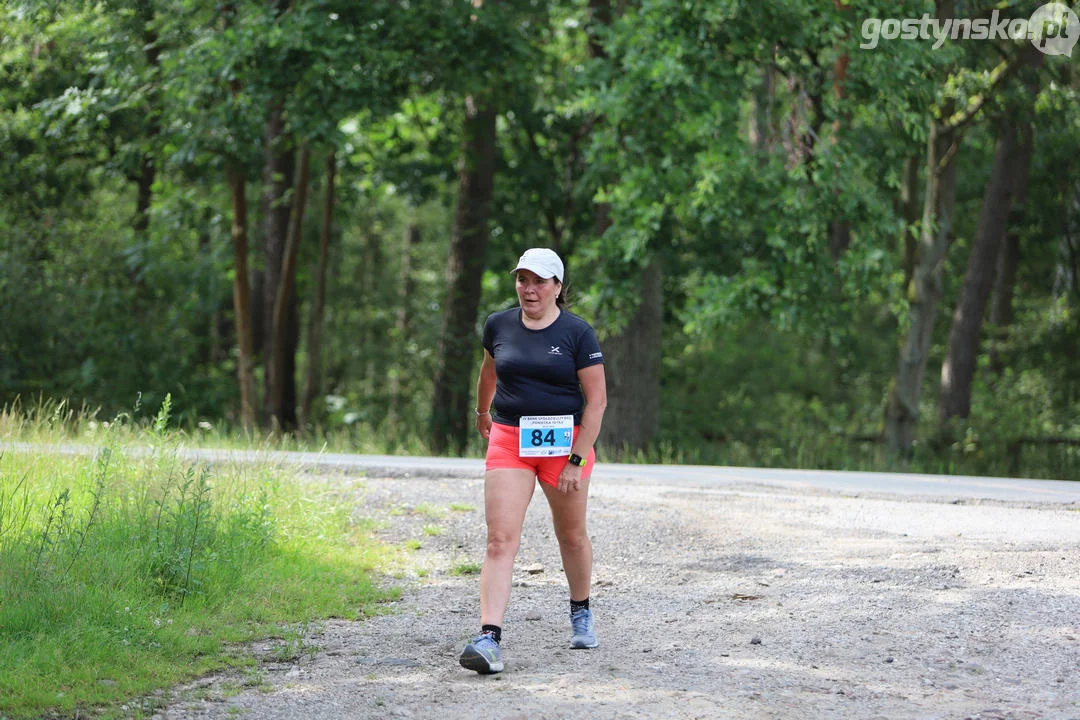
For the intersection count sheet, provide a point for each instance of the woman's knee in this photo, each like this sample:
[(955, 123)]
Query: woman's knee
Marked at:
[(501, 543), (573, 540)]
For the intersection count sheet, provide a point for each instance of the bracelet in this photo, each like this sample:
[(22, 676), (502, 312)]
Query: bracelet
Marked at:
[(478, 413)]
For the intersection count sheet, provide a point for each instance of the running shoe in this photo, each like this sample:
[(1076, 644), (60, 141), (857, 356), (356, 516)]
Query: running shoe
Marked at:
[(583, 632), (482, 655)]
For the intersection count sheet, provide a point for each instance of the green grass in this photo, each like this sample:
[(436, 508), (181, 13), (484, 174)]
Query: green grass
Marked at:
[(466, 568), (429, 510), (135, 569), (54, 421)]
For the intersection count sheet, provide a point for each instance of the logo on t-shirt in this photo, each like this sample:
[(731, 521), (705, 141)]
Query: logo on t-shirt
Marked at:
[(595, 355), (554, 350)]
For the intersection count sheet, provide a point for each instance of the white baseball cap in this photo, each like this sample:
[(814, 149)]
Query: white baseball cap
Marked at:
[(545, 263)]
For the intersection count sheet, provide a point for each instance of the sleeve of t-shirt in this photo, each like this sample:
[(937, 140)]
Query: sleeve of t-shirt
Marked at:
[(487, 339), (588, 349)]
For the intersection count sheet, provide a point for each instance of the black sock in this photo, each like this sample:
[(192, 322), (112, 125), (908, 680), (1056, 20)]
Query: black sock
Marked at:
[(576, 605), (495, 630)]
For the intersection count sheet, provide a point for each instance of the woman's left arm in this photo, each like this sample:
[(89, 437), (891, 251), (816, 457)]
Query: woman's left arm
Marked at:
[(594, 385)]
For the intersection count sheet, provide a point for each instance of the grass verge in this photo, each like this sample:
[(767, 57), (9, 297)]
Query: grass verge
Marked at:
[(128, 572)]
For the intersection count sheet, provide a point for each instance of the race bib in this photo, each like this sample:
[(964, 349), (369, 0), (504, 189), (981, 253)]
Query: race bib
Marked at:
[(545, 435)]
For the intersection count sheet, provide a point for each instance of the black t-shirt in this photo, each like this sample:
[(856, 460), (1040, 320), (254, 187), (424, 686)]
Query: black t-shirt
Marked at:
[(536, 370)]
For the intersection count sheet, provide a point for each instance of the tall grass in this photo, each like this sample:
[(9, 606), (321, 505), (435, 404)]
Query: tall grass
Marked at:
[(133, 569)]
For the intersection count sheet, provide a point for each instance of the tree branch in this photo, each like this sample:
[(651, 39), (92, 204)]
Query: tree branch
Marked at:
[(998, 76)]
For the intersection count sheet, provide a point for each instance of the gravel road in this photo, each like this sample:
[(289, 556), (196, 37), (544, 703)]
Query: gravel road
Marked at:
[(750, 601)]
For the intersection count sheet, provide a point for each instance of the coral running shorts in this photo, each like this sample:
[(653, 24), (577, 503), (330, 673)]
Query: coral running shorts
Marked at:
[(502, 454)]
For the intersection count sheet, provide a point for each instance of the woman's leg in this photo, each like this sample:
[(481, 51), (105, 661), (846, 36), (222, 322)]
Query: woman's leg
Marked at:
[(568, 516), (507, 494)]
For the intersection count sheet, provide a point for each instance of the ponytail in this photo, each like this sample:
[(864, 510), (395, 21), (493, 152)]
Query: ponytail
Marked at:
[(561, 300)]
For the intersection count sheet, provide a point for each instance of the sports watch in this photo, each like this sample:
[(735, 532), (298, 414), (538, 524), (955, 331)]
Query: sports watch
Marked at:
[(576, 459)]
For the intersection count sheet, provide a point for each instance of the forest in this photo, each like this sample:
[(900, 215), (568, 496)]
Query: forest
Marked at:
[(806, 238)]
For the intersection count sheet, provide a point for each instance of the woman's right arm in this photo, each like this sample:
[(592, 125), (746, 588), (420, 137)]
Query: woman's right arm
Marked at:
[(485, 393)]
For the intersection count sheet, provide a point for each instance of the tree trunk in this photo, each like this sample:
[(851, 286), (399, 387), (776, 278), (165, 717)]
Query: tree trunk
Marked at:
[(762, 133), (633, 356), (909, 210), (206, 335), (632, 366), (902, 409), (1001, 306), (144, 195), (958, 370), (839, 238), (242, 311), (450, 413), (839, 228), (401, 323), (314, 346), (373, 333), (245, 367), (280, 372), (1067, 271), (277, 182)]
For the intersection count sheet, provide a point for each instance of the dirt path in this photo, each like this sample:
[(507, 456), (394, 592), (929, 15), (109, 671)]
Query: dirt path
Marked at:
[(751, 602)]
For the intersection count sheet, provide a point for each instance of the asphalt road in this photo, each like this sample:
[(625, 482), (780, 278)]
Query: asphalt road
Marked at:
[(941, 487), (698, 476)]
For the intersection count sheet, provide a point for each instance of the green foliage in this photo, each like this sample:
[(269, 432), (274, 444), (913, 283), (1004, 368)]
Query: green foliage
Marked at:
[(136, 569), (95, 315), (822, 411), (717, 134), (714, 407)]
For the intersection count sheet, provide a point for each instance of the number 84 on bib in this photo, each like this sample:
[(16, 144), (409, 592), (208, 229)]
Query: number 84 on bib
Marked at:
[(545, 435)]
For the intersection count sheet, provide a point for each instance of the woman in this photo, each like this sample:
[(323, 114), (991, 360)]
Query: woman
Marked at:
[(544, 370)]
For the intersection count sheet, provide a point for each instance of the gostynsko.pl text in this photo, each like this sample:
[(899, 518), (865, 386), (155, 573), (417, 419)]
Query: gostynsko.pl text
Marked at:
[(1053, 28)]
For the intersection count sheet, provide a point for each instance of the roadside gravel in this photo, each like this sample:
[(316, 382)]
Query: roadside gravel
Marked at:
[(743, 602)]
